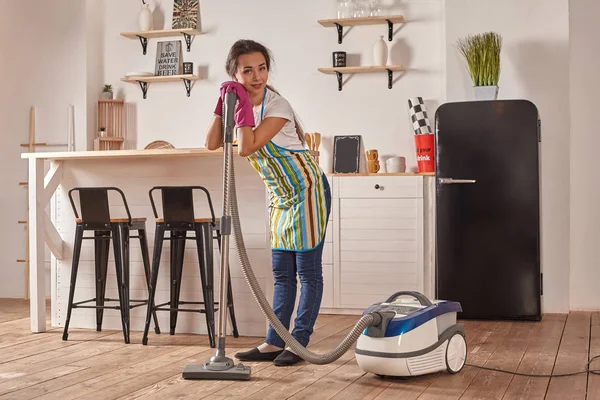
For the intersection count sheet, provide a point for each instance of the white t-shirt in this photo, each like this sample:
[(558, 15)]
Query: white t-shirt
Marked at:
[(277, 106)]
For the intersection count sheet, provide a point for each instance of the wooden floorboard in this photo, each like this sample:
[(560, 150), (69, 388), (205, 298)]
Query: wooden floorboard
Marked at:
[(593, 389), (507, 356), (98, 365), (572, 356), (538, 359)]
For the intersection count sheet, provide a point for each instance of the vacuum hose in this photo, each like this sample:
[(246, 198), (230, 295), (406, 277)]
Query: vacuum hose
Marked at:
[(364, 322)]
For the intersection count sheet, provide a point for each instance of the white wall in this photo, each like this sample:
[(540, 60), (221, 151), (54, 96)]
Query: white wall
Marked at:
[(585, 141), (43, 71), (300, 45), (535, 66)]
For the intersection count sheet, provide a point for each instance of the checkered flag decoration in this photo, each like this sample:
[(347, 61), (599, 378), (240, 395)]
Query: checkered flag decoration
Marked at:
[(418, 116)]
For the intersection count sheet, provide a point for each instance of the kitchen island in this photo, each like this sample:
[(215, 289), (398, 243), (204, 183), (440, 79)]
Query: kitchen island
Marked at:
[(388, 241)]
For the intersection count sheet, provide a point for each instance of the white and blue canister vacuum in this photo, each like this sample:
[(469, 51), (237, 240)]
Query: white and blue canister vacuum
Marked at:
[(395, 338), (415, 337)]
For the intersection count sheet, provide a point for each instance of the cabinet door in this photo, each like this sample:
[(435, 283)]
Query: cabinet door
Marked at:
[(327, 301), (380, 246)]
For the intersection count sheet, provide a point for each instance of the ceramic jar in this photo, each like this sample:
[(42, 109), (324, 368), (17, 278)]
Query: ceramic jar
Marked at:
[(380, 52), (145, 18)]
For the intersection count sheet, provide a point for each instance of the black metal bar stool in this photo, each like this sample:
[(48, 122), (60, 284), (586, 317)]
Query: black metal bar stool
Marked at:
[(95, 216), (178, 219)]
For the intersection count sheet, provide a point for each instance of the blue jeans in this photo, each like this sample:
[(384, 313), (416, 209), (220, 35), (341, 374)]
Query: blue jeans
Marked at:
[(308, 265)]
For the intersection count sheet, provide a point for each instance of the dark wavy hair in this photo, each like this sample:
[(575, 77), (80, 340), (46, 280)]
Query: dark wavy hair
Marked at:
[(246, 46)]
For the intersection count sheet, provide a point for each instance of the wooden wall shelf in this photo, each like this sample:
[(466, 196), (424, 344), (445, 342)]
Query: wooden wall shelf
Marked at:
[(43, 145), (340, 71), (144, 81), (340, 23), (145, 35)]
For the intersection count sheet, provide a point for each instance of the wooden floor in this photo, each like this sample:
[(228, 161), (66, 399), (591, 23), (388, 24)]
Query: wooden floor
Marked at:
[(98, 365)]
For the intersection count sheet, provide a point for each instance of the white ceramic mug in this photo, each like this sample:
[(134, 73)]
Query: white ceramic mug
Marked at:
[(395, 164)]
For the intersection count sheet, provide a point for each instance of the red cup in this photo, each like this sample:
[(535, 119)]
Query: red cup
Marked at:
[(425, 152)]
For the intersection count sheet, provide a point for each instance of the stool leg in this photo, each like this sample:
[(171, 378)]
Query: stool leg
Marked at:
[(158, 243), (177, 253), (117, 245), (101, 249), (146, 260), (75, 266), (125, 253), (205, 259), (229, 296), (231, 310)]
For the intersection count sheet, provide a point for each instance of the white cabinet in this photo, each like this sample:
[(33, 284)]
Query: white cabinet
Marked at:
[(376, 240)]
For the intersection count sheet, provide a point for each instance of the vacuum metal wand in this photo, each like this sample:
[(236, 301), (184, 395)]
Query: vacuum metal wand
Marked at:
[(225, 225), (220, 366)]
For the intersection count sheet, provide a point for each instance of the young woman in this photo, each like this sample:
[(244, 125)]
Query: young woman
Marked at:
[(300, 198)]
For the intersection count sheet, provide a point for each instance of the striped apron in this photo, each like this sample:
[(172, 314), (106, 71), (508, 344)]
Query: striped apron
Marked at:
[(297, 203)]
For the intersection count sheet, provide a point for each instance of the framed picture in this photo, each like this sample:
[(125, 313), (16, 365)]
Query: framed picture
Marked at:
[(185, 14), (346, 154), (169, 58)]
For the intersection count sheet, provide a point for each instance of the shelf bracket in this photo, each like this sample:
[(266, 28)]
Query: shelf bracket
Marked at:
[(390, 29), (339, 79), (144, 42), (390, 76), (144, 87), (340, 31), (188, 86), (188, 40)]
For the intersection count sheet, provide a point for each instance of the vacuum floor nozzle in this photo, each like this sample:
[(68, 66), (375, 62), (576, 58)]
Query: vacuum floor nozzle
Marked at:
[(238, 372)]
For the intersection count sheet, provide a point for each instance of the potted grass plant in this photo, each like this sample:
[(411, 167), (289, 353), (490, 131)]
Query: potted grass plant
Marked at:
[(482, 54), (107, 92)]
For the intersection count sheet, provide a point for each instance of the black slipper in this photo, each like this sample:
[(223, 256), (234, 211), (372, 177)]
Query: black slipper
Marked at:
[(256, 355), (286, 358)]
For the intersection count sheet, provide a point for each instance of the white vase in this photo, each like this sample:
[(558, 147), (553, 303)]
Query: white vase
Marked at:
[(145, 18), (486, 92), (380, 52)]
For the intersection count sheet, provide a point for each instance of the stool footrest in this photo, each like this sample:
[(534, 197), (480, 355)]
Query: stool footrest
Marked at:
[(200, 310), (79, 304), (160, 307)]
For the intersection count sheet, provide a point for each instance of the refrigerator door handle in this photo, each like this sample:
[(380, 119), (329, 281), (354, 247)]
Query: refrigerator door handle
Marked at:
[(450, 180)]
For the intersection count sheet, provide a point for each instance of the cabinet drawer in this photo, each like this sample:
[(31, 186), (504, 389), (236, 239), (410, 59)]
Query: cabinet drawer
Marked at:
[(381, 187)]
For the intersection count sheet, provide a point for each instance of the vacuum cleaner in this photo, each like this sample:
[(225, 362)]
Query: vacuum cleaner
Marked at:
[(415, 337), (395, 337)]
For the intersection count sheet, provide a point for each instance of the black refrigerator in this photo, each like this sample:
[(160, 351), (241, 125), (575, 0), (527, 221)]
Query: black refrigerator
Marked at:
[(488, 208)]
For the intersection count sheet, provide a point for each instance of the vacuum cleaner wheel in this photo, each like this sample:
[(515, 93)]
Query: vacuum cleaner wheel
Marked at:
[(456, 353)]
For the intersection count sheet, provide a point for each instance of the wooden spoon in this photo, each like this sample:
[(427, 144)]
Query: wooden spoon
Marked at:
[(317, 140), (308, 138)]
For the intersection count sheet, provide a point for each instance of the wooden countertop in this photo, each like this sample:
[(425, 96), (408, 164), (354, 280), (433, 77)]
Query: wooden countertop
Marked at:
[(388, 174), (192, 152), (102, 154)]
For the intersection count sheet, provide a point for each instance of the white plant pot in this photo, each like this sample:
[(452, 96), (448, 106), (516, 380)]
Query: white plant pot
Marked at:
[(380, 52), (107, 96), (486, 92), (145, 18)]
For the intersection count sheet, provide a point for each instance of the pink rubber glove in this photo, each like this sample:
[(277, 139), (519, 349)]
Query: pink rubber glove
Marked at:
[(219, 107), (225, 87), (244, 116)]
